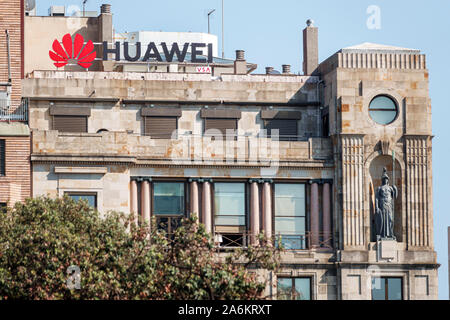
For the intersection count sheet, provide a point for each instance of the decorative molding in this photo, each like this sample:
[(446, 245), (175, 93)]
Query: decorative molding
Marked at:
[(140, 179), (260, 180), (384, 147)]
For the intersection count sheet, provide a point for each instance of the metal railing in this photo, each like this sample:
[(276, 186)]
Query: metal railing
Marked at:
[(7, 113), (306, 241)]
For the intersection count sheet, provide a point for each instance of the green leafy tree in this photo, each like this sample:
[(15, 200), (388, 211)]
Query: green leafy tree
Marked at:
[(43, 238)]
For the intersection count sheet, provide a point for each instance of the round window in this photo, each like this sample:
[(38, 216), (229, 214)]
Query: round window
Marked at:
[(383, 110)]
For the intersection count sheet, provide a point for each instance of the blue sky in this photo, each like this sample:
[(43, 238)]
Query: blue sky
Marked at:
[(270, 33)]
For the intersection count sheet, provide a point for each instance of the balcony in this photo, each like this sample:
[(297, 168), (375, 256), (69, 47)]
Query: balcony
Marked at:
[(7, 113), (185, 149)]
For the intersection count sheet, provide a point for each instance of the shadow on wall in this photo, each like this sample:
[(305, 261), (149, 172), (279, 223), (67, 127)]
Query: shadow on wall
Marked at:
[(91, 32), (376, 171)]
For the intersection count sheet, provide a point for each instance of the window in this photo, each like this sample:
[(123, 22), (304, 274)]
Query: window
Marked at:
[(386, 288), (160, 127), (70, 123), (290, 215), (70, 119), (160, 122), (3, 207), (229, 210), (294, 289), (168, 204), (222, 125), (383, 110), (221, 120), (2, 158), (91, 198), (287, 128)]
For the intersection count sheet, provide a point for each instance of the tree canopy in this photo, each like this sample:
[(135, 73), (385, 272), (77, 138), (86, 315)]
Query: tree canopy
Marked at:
[(44, 242)]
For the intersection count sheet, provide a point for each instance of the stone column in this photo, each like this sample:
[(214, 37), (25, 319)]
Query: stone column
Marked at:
[(327, 232), (207, 218), (134, 199), (194, 199), (314, 235), (254, 212), (267, 210), (145, 202)]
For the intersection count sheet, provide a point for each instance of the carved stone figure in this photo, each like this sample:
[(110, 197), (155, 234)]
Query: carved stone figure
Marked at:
[(384, 208)]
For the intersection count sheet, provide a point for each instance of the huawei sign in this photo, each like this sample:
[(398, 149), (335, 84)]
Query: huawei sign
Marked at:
[(72, 52)]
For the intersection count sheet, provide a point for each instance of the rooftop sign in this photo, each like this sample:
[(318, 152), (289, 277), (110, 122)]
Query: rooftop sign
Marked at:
[(77, 51)]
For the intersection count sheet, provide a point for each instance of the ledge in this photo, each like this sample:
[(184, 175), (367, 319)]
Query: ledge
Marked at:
[(101, 170)]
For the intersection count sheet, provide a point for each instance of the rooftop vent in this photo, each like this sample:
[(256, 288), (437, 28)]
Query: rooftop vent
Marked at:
[(286, 68), (240, 55), (269, 70), (57, 11)]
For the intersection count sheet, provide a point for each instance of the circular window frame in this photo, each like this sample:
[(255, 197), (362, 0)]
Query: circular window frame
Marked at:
[(397, 109)]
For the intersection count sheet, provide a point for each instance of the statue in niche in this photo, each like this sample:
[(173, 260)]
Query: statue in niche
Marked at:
[(384, 208)]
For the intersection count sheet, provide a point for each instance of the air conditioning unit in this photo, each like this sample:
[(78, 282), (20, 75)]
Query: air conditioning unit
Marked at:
[(30, 7), (57, 11)]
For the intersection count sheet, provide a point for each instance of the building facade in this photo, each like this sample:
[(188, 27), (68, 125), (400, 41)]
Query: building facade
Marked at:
[(15, 181), (296, 157)]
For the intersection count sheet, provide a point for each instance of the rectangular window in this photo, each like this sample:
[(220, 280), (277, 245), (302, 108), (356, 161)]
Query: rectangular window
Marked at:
[(220, 126), (91, 198), (387, 288), (2, 158), (290, 215), (294, 289), (230, 213), (3, 207), (160, 127), (168, 204), (70, 123), (287, 128)]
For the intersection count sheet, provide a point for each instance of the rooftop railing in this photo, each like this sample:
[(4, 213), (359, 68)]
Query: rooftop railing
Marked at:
[(7, 113)]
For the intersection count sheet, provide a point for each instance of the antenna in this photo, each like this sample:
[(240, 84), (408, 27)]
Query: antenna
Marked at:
[(223, 50), (209, 13), (84, 5)]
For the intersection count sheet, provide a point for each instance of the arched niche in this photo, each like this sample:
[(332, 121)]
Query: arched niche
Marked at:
[(376, 171)]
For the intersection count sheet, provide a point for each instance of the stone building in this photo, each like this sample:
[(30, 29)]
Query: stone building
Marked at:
[(293, 156), (15, 179)]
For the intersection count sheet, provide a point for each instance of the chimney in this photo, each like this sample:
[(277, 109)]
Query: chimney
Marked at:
[(286, 68), (310, 48), (105, 33), (105, 8), (240, 65), (269, 70)]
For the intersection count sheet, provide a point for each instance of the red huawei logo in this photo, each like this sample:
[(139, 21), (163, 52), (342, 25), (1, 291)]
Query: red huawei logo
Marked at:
[(82, 54)]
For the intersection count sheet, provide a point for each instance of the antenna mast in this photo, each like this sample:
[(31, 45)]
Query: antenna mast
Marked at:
[(84, 5), (223, 49)]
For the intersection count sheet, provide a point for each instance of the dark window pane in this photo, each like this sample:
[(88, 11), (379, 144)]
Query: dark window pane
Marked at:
[(229, 201), (90, 198), (2, 158), (168, 198), (290, 215), (302, 290), (394, 288), (383, 110), (294, 288), (287, 129), (297, 242), (284, 288), (378, 289)]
